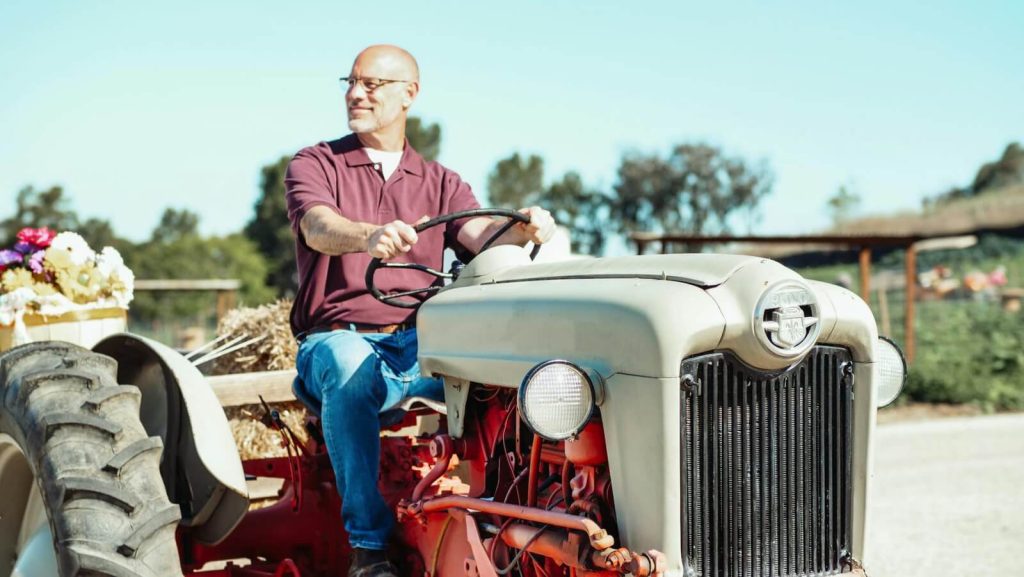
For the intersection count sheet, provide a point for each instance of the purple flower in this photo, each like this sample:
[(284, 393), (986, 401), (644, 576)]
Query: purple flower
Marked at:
[(35, 262), (8, 257), (24, 247)]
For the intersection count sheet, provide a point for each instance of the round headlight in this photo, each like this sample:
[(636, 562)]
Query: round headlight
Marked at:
[(890, 372), (556, 400)]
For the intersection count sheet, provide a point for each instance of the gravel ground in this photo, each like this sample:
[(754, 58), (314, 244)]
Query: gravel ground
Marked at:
[(948, 498)]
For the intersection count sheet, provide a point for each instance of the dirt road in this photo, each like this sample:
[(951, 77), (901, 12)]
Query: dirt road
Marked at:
[(948, 498)]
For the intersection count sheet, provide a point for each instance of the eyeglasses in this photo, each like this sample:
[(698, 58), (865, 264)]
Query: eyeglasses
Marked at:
[(368, 84)]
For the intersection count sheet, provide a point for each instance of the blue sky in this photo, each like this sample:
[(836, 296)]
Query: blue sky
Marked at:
[(134, 106)]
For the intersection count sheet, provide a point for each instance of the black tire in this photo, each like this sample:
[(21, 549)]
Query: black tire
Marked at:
[(97, 470)]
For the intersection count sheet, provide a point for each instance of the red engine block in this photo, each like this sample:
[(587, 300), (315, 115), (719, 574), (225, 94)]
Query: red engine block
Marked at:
[(536, 505)]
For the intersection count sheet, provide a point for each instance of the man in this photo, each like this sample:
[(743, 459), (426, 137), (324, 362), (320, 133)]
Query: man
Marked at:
[(349, 200)]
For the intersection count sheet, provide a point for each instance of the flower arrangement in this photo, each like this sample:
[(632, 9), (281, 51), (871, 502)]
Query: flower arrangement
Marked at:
[(52, 274)]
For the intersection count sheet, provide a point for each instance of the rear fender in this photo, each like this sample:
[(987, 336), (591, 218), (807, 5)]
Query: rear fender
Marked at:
[(201, 467)]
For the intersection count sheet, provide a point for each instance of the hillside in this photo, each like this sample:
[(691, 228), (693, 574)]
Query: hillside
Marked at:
[(1000, 209)]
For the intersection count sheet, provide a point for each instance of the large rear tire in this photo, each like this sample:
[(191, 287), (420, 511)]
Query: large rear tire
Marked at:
[(87, 458)]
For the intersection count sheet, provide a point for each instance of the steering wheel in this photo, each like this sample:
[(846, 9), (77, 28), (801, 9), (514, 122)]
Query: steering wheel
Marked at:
[(377, 264)]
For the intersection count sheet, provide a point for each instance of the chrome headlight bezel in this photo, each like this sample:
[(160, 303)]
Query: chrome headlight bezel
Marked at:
[(524, 403), (888, 344)]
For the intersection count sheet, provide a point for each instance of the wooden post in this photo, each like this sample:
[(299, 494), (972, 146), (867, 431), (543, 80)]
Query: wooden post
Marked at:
[(225, 302), (865, 274), (246, 388), (908, 332), (883, 311)]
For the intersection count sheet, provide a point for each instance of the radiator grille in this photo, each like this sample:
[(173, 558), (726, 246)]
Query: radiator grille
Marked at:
[(767, 457)]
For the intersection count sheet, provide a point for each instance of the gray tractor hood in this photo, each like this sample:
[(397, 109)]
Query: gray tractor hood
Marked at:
[(511, 264), (636, 315), (633, 315)]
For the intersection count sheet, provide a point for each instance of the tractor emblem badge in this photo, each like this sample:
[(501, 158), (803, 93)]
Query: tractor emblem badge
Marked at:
[(788, 327), (786, 320)]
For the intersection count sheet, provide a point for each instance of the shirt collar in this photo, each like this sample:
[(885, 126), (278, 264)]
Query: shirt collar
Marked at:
[(354, 155)]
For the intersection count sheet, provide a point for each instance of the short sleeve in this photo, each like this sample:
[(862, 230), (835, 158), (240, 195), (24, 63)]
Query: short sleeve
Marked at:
[(307, 185), (459, 197)]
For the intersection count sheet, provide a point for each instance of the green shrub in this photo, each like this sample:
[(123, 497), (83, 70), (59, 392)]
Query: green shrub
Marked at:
[(969, 352)]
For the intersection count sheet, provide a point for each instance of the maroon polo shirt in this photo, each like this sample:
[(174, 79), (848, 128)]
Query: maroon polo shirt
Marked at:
[(340, 176)]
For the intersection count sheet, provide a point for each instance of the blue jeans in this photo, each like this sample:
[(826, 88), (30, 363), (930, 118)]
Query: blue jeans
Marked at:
[(349, 379)]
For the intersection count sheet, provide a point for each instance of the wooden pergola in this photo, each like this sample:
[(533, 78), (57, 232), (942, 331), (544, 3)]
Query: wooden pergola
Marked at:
[(863, 244)]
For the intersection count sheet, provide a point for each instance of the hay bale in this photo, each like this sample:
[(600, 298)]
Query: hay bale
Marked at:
[(276, 351), (257, 441)]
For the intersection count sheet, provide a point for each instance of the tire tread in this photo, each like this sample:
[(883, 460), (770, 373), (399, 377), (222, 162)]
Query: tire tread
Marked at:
[(84, 446), (126, 455), (96, 399), (54, 421), (40, 379), (169, 515), (75, 488), (88, 562)]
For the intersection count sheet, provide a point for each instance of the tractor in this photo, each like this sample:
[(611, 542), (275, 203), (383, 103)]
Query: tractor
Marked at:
[(691, 415)]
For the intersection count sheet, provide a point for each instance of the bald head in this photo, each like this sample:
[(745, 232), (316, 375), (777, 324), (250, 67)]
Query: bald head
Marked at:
[(382, 86), (392, 60)]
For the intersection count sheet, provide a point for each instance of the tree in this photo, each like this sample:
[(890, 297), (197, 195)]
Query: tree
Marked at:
[(52, 208), (998, 174), (843, 205), (1007, 171), (424, 138), (33, 208), (175, 225), (695, 190), (177, 251), (270, 230), (583, 211), (516, 181), (99, 233), (190, 256)]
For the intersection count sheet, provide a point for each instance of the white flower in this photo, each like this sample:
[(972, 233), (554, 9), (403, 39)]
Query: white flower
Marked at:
[(109, 261), (127, 293), (56, 305), (76, 246), (15, 303)]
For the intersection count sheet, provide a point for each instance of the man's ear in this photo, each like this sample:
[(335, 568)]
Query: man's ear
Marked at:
[(412, 89)]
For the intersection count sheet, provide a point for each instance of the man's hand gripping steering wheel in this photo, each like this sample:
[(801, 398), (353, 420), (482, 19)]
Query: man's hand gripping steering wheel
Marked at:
[(397, 238)]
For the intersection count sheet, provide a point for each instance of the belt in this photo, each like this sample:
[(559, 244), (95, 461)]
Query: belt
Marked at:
[(365, 328), (359, 328)]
